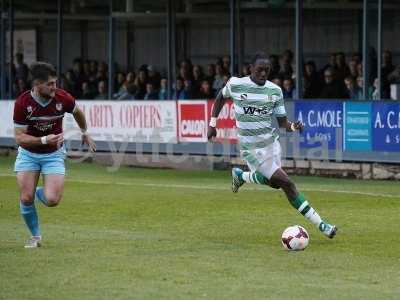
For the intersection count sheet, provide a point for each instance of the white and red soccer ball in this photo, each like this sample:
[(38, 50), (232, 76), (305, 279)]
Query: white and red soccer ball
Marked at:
[(295, 238)]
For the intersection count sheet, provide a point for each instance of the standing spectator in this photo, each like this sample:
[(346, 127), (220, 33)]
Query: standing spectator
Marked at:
[(119, 81), (151, 93), (71, 85), (331, 64), (387, 68), (333, 89), (286, 69), (153, 76), (102, 91), (375, 90), (288, 88), (278, 81), (198, 77), (360, 85), (21, 68), (21, 86)]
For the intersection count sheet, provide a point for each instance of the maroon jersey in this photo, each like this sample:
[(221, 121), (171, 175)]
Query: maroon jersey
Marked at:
[(40, 118)]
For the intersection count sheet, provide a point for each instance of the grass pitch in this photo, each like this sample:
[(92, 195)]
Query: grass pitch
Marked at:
[(163, 234)]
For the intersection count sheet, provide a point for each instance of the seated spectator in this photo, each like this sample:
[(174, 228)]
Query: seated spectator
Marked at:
[(87, 92), (128, 92), (163, 92), (288, 88), (375, 90), (360, 85), (275, 67), (353, 68), (333, 89), (286, 69), (119, 81), (151, 93), (140, 82), (179, 92), (352, 90), (188, 87), (198, 77), (226, 63), (102, 91), (206, 91)]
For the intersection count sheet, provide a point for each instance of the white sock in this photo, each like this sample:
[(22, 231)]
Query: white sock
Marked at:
[(313, 216), (246, 176)]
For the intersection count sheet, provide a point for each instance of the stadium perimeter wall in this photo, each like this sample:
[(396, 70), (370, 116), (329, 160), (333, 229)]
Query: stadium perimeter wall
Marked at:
[(353, 139)]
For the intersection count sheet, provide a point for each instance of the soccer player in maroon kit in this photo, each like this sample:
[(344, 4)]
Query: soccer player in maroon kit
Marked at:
[(38, 116)]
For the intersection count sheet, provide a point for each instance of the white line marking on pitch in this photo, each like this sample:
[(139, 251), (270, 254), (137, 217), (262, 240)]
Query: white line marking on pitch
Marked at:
[(218, 188)]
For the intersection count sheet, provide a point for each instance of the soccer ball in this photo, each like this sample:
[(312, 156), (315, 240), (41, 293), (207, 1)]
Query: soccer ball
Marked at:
[(295, 238)]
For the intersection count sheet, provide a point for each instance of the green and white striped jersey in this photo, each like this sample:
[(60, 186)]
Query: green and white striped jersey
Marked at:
[(255, 106)]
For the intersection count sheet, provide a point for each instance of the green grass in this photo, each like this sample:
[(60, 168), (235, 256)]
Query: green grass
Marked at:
[(163, 234)]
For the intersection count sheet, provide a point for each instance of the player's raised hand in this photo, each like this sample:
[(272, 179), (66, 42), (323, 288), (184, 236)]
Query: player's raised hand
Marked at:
[(86, 139), (55, 139), (211, 133)]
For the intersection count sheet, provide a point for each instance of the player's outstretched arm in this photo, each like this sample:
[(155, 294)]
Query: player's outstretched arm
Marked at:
[(80, 119), (289, 126), (218, 104), (25, 140)]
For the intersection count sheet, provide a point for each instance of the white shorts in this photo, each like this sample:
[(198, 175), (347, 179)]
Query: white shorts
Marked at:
[(264, 160)]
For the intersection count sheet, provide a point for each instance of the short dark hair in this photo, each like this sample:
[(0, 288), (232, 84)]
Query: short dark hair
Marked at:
[(42, 71), (259, 55)]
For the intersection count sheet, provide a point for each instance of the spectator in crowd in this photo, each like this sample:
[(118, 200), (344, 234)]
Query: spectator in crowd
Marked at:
[(119, 81), (277, 81), (387, 68), (70, 84), (185, 73), (206, 91), (189, 89), (87, 92), (312, 83), (210, 73), (140, 82), (179, 92), (198, 77), (153, 76), (151, 93), (226, 63), (353, 68), (360, 85), (342, 70), (21, 86), (394, 77), (218, 78), (163, 92), (102, 91), (288, 88), (128, 91), (331, 64), (245, 70), (352, 90), (375, 90), (275, 68), (333, 89), (21, 68), (286, 69)]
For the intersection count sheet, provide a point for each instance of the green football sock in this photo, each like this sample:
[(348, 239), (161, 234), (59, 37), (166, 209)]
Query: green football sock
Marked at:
[(301, 204)]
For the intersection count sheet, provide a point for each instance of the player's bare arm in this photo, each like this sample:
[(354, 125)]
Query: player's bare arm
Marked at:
[(218, 104), (80, 119), (25, 140), (289, 126)]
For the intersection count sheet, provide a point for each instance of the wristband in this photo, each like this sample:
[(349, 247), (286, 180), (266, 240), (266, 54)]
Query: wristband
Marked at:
[(43, 139), (292, 127), (213, 122)]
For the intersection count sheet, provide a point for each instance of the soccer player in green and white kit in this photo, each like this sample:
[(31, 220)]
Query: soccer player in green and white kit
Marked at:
[(256, 100)]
